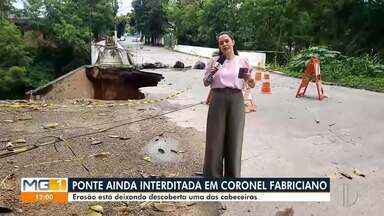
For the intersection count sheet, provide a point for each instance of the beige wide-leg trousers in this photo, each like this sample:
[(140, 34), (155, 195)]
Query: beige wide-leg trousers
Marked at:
[(224, 135)]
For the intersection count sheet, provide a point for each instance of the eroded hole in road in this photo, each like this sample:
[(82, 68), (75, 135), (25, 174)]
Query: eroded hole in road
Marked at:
[(120, 83), (163, 149)]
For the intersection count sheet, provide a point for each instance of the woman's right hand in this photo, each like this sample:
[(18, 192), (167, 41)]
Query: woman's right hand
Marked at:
[(214, 68)]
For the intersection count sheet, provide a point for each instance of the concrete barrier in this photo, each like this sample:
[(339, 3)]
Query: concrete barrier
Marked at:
[(256, 59), (74, 84), (96, 82)]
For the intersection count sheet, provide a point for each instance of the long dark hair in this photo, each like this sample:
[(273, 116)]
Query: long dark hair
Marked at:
[(231, 36)]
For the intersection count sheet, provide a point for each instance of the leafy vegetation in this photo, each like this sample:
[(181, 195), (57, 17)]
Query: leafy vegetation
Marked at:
[(360, 72), (150, 19), (68, 28), (5, 7), (353, 27), (51, 38), (291, 30)]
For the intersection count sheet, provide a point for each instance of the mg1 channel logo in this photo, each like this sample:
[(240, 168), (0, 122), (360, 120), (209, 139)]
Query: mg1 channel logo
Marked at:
[(44, 190)]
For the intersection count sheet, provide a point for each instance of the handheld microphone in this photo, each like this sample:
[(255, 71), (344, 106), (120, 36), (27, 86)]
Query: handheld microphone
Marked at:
[(217, 64)]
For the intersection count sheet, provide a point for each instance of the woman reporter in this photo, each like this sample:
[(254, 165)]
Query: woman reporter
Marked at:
[(226, 74)]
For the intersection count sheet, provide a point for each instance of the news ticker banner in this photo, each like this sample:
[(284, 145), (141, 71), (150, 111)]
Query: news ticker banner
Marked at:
[(64, 190)]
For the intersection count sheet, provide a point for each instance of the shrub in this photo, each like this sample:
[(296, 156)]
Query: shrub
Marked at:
[(20, 70), (360, 72)]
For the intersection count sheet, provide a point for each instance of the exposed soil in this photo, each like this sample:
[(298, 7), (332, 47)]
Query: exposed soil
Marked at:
[(124, 146)]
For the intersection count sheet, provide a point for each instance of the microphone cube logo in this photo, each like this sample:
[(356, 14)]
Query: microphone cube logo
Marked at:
[(44, 185), (44, 190)]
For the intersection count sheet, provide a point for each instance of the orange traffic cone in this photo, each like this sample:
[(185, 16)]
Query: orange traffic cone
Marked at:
[(266, 87), (258, 72)]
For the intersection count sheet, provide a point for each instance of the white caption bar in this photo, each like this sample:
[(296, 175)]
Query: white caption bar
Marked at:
[(187, 197)]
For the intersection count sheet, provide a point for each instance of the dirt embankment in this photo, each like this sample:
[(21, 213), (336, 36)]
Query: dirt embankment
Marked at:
[(96, 139)]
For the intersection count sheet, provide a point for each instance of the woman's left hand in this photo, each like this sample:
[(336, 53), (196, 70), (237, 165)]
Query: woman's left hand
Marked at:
[(250, 82), (246, 77)]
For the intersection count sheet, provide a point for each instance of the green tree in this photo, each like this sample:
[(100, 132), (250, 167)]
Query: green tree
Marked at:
[(5, 7), (150, 19), (121, 24), (13, 50), (69, 26), (14, 59), (13, 82), (351, 26)]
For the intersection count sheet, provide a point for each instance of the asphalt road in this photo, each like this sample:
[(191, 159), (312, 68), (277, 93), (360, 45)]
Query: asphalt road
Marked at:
[(295, 137)]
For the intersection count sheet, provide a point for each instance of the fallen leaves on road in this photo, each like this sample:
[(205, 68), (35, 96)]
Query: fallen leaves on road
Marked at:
[(189, 204), (101, 155), (164, 207), (96, 142), (145, 205), (285, 212), (9, 145), (24, 118), (19, 150), (82, 101), (147, 158), (22, 104), (95, 210), (20, 141), (16, 150), (171, 175), (345, 175), (4, 140), (177, 152), (51, 125), (3, 183), (358, 173)]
